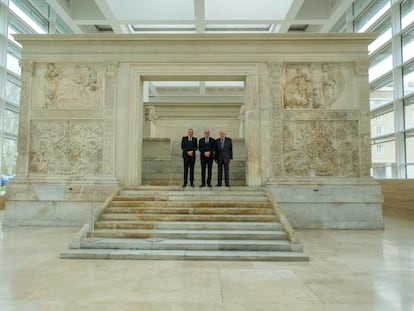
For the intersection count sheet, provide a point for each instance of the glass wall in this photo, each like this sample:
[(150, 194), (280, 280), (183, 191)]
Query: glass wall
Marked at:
[(391, 77), (17, 16)]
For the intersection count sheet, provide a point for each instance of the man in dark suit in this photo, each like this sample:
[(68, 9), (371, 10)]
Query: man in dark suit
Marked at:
[(224, 155), (189, 147), (207, 146)]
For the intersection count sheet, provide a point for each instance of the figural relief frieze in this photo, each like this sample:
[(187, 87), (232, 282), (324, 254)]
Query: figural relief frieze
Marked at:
[(69, 86), (320, 148), (66, 148), (313, 86)]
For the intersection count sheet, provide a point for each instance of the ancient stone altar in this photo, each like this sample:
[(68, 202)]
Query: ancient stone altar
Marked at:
[(305, 120)]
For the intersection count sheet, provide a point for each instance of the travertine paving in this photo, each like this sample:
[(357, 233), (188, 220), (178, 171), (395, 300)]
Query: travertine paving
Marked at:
[(348, 270)]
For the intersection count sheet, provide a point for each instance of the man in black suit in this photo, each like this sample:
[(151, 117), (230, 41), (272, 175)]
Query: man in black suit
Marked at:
[(189, 147), (207, 146), (224, 155)]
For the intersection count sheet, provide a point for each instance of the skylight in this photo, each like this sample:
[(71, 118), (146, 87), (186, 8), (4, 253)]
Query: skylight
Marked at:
[(154, 10), (246, 10)]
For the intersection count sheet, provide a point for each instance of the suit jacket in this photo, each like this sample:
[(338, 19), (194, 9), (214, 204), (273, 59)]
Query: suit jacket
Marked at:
[(203, 147), (187, 145), (225, 153)]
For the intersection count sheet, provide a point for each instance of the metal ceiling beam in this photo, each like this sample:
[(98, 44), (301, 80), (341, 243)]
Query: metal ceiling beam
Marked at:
[(199, 16), (111, 20), (290, 17)]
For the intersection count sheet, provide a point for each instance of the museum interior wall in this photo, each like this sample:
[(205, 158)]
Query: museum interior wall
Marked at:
[(303, 128)]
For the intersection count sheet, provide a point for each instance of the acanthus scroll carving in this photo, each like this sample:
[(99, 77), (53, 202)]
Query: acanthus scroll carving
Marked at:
[(66, 148), (312, 86), (320, 148)]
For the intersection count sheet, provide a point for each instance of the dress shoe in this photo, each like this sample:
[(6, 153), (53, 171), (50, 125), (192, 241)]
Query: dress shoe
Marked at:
[(210, 186), (192, 185), (218, 185), (228, 186), (184, 185), (201, 186)]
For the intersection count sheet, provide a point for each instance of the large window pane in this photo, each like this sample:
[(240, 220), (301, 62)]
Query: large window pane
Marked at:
[(10, 122), (10, 34), (408, 45), (13, 64), (382, 124), (381, 96), (384, 30), (409, 113), (8, 157), (29, 16), (371, 14), (381, 63), (12, 93), (383, 160), (61, 26), (409, 149), (340, 24), (407, 13), (41, 6), (408, 79)]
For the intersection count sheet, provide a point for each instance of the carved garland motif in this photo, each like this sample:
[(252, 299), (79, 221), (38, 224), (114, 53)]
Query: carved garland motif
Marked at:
[(66, 148), (320, 148)]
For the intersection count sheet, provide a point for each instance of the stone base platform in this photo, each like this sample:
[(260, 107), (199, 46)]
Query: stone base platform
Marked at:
[(240, 223), (329, 203)]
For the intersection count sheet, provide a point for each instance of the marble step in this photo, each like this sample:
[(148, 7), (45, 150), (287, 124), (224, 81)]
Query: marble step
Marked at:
[(178, 182), (171, 244), (220, 192), (175, 217), (192, 198), (130, 254), (188, 225), (186, 204), (189, 234), (190, 210)]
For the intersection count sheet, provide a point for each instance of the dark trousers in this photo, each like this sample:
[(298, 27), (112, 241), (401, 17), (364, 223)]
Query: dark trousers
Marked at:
[(206, 163), (226, 166), (189, 163)]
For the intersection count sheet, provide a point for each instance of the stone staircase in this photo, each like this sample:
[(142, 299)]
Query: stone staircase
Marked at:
[(239, 223)]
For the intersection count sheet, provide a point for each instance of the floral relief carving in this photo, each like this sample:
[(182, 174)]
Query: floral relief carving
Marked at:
[(66, 148), (312, 86), (320, 148), (67, 86)]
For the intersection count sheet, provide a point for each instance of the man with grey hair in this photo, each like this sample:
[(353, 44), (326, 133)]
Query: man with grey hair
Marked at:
[(189, 147), (224, 155), (207, 146)]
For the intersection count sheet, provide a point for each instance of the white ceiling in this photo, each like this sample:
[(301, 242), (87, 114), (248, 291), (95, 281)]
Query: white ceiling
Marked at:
[(199, 16)]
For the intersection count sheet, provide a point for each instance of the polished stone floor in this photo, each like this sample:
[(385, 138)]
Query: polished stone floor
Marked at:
[(349, 270)]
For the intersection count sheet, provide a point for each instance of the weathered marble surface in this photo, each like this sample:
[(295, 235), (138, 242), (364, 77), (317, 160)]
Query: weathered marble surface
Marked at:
[(305, 111)]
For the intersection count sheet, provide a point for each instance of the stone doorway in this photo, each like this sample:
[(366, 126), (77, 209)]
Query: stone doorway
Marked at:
[(154, 127), (171, 107)]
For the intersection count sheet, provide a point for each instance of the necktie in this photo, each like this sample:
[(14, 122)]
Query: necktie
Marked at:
[(222, 143), (206, 140)]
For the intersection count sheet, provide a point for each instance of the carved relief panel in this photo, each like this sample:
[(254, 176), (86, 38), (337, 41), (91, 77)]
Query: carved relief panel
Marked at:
[(68, 86), (66, 147), (320, 148), (319, 86)]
